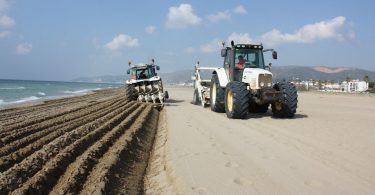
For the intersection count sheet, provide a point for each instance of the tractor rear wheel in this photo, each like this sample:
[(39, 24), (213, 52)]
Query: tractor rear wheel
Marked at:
[(216, 95), (286, 108), (236, 100), (130, 92)]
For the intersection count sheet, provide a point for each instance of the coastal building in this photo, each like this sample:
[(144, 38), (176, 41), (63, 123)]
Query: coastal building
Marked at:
[(354, 86)]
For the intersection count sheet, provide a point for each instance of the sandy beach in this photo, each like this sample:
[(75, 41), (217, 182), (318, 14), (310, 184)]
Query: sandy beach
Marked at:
[(101, 142), (328, 148)]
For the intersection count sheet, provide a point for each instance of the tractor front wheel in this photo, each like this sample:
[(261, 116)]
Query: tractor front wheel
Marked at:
[(236, 100), (130, 92), (285, 108)]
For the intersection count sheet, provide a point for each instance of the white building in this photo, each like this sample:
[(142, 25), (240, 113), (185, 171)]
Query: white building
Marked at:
[(332, 87), (354, 86)]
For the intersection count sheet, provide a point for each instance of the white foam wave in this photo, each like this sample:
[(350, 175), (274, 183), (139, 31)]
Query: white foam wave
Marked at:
[(12, 88), (1, 101), (83, 91), (23, 100), (41, 93)]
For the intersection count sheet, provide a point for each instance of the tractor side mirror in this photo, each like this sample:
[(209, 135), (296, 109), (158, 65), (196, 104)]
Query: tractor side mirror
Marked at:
[(157, 67), (193, 78), (274, 55), (128, 72), (223, 52)]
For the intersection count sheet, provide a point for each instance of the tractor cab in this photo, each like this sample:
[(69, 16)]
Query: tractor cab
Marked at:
[(142, 71), (243, 56)]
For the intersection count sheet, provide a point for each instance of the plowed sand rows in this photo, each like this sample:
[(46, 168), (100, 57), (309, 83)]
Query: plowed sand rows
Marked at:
[(98, 143)]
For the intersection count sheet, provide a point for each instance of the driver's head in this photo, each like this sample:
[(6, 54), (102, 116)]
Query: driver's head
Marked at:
[(240, 57)]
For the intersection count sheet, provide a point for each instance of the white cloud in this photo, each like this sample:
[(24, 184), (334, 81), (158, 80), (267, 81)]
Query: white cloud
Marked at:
[(4, 5), (239, 38), (24, 48), (120, 41), (150, 29), (4, 34), (182, 17), (240, 10), (210, 47), (328, 29), (224, 15), (5, 20)]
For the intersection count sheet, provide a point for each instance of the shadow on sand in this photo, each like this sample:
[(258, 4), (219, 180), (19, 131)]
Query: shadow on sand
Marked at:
[(173, 102), (269, 114)]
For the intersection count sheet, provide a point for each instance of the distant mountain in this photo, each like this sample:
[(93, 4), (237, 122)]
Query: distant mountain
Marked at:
[(181, 76), (101, 79), (279, 72), (319, 73)]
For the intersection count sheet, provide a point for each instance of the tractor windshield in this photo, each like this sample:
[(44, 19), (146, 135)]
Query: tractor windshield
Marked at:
[(250, 58), (143, 73)]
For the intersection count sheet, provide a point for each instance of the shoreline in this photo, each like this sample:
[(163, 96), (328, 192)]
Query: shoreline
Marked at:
[(6, 106)]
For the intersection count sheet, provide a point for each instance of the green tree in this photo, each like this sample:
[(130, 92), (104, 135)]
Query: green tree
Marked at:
[(320, 84), (348, 79), (366, 78), (371, 84)]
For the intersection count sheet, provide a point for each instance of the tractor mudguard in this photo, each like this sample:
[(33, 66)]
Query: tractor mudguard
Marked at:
[(223, 78)]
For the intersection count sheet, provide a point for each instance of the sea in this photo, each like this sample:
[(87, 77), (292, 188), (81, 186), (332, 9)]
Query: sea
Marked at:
[(22, 91)]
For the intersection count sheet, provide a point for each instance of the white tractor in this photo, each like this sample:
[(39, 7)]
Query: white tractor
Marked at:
[(244, 85), (144, 84)]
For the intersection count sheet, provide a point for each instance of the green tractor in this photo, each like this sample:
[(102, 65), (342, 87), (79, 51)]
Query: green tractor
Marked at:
[(144, 84)]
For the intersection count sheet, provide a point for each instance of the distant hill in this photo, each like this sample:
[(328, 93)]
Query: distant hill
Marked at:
[(319, 73), (101, 79), (279, 72)]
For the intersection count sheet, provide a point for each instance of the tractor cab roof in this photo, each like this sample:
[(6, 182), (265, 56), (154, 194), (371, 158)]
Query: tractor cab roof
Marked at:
[(142, 66)]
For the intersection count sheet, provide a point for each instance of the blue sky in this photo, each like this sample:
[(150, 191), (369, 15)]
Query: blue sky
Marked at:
[(63, 40)]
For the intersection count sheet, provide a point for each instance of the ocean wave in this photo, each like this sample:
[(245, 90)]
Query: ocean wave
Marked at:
[(1, 101), (41, 93), (82, 91), (23, 100), (12, 88)]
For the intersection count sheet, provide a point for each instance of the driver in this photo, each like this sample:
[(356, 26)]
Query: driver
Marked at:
[(142, 75), (241, 63)]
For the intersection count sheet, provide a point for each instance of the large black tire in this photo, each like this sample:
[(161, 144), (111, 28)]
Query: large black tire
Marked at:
[(288, 106), (216, 95), (130, 92), (236, 100), (196, 97), (166, 95)]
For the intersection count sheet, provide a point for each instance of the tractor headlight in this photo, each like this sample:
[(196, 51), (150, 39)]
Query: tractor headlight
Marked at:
[(269, 84), (261, 84)]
